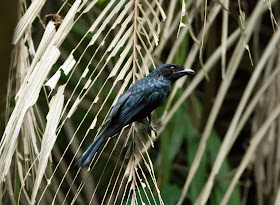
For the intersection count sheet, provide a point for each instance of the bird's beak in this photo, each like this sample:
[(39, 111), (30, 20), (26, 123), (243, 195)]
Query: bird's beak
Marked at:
[(186, 71)]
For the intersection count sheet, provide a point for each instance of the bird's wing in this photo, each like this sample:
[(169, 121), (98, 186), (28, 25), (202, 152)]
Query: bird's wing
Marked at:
[(140, 105), (118, 104)]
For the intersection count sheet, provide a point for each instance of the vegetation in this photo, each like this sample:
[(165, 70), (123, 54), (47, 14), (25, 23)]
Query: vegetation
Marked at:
[(217, 139)]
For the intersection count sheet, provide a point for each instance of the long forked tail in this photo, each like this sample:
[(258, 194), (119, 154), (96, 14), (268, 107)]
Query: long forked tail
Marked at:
[(85, 159)]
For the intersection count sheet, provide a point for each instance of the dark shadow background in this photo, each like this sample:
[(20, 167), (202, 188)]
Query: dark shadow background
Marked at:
[(8, 19)]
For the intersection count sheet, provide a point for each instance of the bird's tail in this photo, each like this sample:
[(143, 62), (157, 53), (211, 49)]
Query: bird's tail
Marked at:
[(85, 159)]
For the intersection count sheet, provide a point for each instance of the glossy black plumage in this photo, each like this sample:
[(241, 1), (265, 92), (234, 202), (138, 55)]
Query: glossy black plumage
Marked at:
[(136, 104)]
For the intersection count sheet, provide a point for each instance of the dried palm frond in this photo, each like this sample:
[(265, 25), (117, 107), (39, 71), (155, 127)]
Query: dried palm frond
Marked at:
[(67, 74)]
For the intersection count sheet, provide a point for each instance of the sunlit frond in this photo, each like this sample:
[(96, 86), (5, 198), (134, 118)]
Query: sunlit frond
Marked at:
[(66, 77)]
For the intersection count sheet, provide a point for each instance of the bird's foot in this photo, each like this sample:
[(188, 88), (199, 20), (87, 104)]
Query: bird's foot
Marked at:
[(155, 131), (148, 123), (152, 128)]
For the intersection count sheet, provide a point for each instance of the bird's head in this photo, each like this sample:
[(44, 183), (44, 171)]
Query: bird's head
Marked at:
[(173, 72)]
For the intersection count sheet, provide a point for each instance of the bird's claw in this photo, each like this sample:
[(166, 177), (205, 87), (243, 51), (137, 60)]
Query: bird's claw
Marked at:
[(154, 130)]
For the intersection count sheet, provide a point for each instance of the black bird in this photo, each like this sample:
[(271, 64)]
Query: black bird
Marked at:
[(136, 104)]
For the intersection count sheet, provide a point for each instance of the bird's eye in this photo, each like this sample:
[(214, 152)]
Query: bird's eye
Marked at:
[(172, 68)]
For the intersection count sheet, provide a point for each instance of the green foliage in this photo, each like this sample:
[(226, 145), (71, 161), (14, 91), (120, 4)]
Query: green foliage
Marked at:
[(169, 194), (223, 178), (174, 151), (182, 52), (180, 130)]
